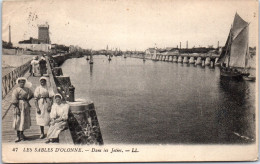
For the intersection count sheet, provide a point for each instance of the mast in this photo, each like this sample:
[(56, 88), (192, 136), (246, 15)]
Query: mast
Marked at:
[(229, 45), (230, 42)]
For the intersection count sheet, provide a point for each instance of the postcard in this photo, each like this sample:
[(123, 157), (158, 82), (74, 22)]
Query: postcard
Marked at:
[(129, 81)]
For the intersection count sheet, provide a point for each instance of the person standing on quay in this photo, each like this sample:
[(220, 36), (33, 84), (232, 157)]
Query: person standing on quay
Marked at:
[(43, 68), (59, 117), (21, 107), (34, 65), (43, 102)]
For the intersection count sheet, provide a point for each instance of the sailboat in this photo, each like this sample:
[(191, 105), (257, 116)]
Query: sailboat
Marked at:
[(109, 57), (87, 58), (235, 53), (91, 59)]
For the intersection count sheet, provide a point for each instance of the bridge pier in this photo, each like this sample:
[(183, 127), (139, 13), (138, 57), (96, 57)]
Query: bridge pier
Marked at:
[(203, 62), (207, 62), (212, 63), (180, 60), (174, 59), (157, 57), (185, 60), (191, 60), (198, 61)]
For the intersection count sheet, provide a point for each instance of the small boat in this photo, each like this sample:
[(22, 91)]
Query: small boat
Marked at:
[(235, 52)]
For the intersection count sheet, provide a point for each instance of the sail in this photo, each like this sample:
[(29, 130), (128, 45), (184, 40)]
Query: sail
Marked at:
[(239, 46), (225, 51), (238, 25)]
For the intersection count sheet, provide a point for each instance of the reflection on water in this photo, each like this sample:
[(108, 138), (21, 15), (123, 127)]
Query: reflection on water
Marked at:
[(91, 70), (146, 102)]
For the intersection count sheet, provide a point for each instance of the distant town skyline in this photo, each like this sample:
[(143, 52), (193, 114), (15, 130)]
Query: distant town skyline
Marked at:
[(128, 25)]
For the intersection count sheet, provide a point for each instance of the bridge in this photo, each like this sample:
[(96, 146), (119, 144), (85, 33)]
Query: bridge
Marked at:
[(204, 59), (82, 121)]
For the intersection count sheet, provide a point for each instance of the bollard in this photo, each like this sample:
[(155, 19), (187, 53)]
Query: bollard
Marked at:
[(57, 71), (84, 120), (71, 93)]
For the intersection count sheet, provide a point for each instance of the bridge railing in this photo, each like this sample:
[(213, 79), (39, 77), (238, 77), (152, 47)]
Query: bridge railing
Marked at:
[(8, 80)]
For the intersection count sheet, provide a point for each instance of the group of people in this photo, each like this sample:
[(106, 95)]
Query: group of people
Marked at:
[(48, 113), (38, 66)]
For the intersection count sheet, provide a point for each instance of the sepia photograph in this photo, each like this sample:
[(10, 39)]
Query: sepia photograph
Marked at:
[(129, 81)]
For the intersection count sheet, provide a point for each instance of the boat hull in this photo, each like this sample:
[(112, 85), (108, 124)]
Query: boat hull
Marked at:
[(228, 74)]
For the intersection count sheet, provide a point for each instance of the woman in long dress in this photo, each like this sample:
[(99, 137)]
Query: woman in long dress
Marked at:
[(35, 65), (42, 66), (59, 117), (43, 102), (21, 107)]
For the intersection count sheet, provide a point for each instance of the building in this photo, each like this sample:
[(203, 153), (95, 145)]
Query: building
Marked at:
[(43, 42), (43, 34), (31, 41)]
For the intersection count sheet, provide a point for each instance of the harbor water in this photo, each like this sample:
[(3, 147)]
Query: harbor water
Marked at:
[(159, 102)]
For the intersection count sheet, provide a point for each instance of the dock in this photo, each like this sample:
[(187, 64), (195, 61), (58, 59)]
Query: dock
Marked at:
[(83, 123), (8, 133)]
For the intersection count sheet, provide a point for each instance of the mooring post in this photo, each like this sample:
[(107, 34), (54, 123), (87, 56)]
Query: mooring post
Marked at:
[(71, 93)]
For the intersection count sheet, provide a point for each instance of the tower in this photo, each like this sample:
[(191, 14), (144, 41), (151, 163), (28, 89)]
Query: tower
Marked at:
[(43, 34)]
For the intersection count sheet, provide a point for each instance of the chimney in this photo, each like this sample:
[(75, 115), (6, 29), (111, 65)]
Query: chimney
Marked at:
[(10, 34), (218, 44), (180, 45), (187, 44)]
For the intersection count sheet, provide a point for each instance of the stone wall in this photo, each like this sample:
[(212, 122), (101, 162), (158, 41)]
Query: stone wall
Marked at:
[(83, 121)]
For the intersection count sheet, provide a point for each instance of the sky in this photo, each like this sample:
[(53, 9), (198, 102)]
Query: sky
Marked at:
[(129, 24)]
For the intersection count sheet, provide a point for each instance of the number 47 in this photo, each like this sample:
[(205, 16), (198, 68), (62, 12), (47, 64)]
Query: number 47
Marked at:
[(15, 149)]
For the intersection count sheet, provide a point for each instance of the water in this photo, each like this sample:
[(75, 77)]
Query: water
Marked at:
[(163, 102)]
